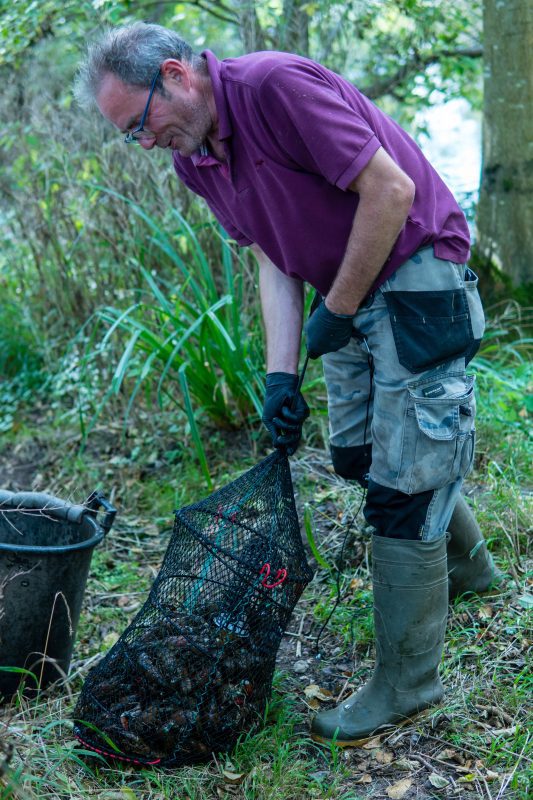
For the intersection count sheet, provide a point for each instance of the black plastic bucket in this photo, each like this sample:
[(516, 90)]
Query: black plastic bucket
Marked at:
[(46, 547)]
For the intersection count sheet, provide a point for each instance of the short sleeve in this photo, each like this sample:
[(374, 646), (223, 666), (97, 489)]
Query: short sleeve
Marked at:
[(320, 128)]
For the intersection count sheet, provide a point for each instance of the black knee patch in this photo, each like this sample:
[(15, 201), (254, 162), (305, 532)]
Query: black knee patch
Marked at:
[(352, 463), (394, 514)]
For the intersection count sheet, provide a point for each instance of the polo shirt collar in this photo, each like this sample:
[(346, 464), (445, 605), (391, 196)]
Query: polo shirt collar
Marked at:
[(214, 68)]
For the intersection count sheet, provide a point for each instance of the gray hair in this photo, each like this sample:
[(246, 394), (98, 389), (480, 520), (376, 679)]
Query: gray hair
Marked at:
[(133, 53)]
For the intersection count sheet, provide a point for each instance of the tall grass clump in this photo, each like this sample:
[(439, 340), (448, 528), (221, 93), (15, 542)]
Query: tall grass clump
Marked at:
[(195, 341), (505, 380)]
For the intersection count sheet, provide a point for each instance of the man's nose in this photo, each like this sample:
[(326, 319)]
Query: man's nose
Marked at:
[(148, 143)]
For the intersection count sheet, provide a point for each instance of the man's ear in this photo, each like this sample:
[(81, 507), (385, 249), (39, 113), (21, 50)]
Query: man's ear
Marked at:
[(174, 70)]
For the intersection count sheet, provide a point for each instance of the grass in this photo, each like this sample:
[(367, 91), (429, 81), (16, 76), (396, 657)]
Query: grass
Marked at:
[(477, 740), (187, 342)]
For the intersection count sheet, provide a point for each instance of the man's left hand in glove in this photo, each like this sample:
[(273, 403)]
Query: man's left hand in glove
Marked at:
[(326, 332), (283, 422)]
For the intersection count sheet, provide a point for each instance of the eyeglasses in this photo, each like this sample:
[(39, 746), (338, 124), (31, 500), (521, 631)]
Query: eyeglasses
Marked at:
[(139, 132)]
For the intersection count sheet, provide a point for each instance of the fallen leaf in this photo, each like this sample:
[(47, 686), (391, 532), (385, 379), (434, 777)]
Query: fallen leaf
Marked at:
[(438, 781), (451, 755), (399, 789), (491, 776), (313, 691), (406, 763), (233, 777), (383, 756), (467, 778), (372, 743), (366, 778), (313, 703), (485, 612), (504, 731), (356, 583)]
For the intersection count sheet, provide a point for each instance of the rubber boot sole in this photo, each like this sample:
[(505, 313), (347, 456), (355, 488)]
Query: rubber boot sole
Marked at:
[(378, 732)]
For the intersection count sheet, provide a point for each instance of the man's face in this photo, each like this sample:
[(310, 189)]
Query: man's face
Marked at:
[(180, 120)]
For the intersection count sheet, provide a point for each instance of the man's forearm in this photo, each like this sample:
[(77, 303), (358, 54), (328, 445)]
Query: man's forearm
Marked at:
[(381, 214), (282, 307)]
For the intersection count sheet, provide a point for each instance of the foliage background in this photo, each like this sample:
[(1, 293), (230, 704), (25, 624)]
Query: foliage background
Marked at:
[(131, 358)]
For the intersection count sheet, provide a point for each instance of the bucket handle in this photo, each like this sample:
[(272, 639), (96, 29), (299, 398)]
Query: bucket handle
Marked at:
[(94, 502)]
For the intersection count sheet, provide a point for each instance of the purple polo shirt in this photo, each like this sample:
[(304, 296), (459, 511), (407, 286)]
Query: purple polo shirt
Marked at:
[(295, 136)]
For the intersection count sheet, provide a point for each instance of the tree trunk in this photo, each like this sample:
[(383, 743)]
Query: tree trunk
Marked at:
[(505, 214), (294, 28), (252, 35)]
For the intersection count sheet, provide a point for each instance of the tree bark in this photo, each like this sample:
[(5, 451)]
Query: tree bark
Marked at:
[(505, 213), (294, 28), (252, 35)]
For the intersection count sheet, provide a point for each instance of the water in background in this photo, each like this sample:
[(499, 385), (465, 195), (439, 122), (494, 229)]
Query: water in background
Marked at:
[(454, 149)]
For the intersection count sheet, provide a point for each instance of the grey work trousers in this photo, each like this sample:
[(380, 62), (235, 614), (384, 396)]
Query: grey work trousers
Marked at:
[(410, 436)]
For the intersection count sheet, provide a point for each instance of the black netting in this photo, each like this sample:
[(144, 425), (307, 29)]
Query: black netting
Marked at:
[(194, 668)]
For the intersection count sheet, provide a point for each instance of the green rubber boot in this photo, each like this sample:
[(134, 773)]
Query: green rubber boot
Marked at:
[(410, 610), (470, 565)]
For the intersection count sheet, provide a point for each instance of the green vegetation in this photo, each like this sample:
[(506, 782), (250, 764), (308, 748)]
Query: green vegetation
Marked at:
[(131, 360)]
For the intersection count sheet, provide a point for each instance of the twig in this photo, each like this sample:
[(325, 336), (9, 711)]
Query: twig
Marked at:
[(509, 778), (512, 567), (299, 641), (346, 682), (516, 552), (480, 748), (422, 760), (485, 784), (489, 626), (497, 713)]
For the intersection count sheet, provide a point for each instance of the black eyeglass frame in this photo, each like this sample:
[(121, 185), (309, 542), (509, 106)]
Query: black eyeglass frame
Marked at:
[(132, 136)]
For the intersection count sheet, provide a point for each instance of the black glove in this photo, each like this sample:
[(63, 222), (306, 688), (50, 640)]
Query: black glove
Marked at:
[(326, 332), (284, 425)]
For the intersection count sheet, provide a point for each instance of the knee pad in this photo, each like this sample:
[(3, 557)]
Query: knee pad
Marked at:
[(394, 514), (352, 463)]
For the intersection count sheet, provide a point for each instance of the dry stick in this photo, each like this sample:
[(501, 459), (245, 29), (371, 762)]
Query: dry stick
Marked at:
[(462, 747), (299, 634), (422, 760), (346, 682), (511, 542), (496, 712), (9, 521), (512, 567), (505, 783), (489, 626), (489, 795)]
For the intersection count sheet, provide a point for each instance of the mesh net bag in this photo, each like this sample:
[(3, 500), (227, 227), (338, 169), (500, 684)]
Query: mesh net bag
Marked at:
[(194, 668)]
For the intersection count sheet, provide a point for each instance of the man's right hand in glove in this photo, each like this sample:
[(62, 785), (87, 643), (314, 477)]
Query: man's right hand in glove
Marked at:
[(284, 424)]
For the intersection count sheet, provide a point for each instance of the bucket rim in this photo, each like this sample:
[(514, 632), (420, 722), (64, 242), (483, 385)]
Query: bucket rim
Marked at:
[(95, 539)]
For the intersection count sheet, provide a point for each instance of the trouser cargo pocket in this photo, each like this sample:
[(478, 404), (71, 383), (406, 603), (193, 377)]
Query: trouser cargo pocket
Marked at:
[(439, 432), (430, 328)]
